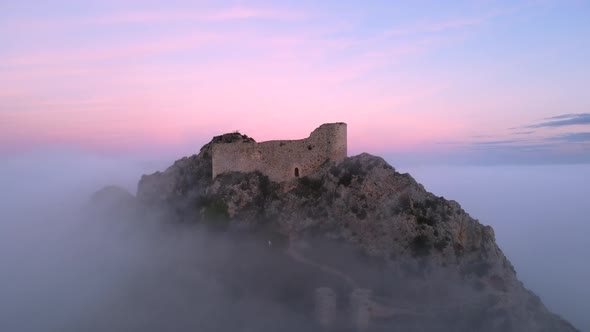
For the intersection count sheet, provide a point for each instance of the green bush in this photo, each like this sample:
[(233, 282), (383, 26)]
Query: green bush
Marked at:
[(350, 169), (420, 245), (310, 187), (479, 269), (215, 214), (442, 243), (424, 220)]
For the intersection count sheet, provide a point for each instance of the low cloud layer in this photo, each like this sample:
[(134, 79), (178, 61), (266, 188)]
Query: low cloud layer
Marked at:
[(564, 120), (573, 137), (552, 143), (65, 271), (66, 267), (540, 217), (501, 142)]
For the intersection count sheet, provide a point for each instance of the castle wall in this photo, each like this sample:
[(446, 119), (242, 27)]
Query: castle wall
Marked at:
[(325, 307), (360, 308), (282, 160)]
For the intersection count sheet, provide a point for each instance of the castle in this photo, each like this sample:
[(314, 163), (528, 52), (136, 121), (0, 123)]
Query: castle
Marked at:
[(282, 160)]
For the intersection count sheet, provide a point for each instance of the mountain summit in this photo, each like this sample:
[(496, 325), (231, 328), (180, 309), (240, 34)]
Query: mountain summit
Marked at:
[(369, 249)]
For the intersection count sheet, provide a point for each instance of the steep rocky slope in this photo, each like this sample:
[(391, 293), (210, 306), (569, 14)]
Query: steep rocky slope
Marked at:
[(362, 225)]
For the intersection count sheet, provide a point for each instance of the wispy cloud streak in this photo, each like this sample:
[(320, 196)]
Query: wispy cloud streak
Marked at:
[(434, 27), (235, 13), (564, 120), (501, 142), (204, 15), (97, 53), (573, 137)]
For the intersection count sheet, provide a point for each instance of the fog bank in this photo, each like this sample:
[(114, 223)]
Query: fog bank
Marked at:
[(541, 216), (61, 272), (64, 269)]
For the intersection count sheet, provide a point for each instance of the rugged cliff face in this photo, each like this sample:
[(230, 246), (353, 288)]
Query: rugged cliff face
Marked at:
[(421, 260)]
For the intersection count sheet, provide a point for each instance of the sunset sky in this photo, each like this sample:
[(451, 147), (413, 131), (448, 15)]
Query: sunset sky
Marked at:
[(489, 81)]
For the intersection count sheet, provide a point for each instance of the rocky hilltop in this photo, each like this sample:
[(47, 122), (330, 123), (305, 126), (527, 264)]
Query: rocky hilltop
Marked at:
[(373, 250)]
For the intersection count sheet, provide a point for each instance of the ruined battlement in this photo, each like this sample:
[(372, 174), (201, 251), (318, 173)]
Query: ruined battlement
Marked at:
[(282, 160)]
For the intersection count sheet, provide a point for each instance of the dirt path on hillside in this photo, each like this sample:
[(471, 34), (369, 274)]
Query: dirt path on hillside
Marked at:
[(297, 256), (377, 310)]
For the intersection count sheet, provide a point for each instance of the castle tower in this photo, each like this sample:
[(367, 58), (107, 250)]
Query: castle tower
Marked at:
[(360, 308), (325, 307), (332, 136)]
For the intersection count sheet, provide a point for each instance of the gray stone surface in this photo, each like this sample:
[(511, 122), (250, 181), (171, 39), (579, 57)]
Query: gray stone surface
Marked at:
[(325, 307), (282, 160), (360, 308)]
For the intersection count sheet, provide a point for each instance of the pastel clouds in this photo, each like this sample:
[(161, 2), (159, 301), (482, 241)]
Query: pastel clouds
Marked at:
[(76, 56), (435, 27), (124, 79), (167, 16), (235, 13)]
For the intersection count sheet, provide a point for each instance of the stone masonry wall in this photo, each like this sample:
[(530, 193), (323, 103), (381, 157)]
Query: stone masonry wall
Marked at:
[(325, 307), (360, 308), (282, 160)]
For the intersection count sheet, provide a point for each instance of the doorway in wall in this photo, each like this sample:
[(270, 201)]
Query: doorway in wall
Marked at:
[(296, 172)]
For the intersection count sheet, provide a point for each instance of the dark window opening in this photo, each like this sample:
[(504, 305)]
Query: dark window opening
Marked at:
[(296, 172), (309, 147)]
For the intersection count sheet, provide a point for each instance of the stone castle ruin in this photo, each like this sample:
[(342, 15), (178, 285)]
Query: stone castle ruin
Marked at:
[(330, 317), (282, 160), (285, 160)]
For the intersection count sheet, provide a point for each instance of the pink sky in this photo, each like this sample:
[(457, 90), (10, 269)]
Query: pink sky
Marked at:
[(121, 77)]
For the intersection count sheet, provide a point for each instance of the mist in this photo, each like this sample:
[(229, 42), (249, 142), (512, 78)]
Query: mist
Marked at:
[(66, 270), (67, 267), (53, 266), (541, 218)]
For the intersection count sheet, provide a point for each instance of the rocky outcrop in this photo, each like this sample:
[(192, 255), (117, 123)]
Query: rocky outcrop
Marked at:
[(434, 260), (184, 181), (112, 199)]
